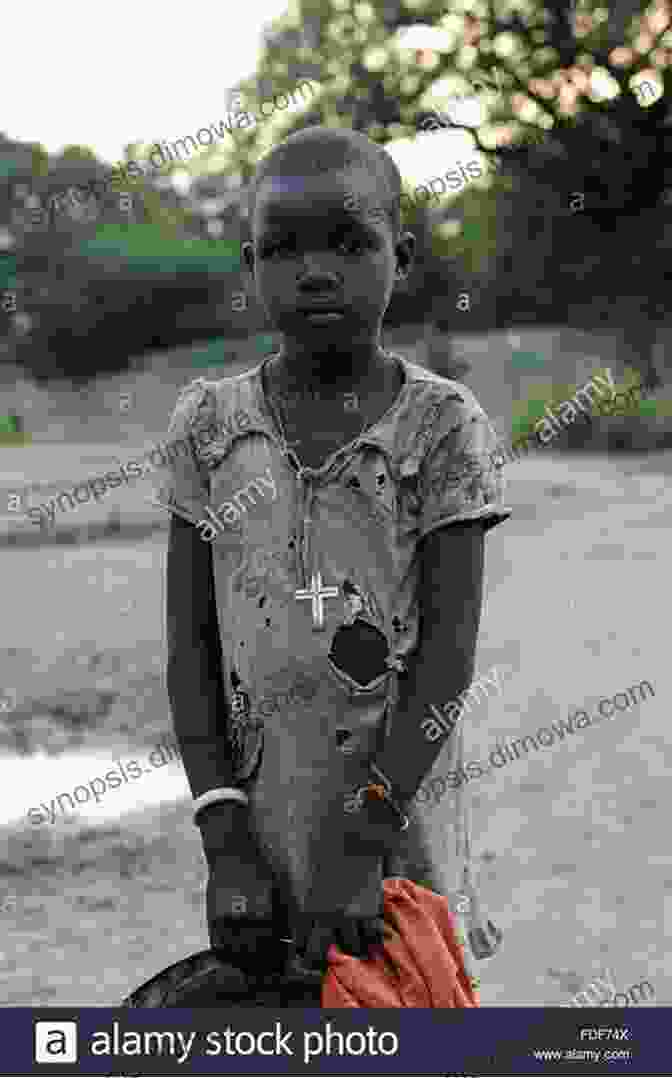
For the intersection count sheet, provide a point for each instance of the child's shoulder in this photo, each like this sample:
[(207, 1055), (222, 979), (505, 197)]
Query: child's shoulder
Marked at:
[(204, 399), (432, 407), (430, 396), (428, 385)]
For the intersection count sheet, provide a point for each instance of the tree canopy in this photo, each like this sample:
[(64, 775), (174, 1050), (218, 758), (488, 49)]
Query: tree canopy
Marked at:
[(569, 108)]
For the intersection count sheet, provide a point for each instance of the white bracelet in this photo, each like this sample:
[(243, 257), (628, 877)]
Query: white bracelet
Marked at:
[(213, 797)]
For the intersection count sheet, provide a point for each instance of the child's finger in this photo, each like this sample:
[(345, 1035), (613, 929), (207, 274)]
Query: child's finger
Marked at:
[(351, 937), (373, 931), (319, 941)]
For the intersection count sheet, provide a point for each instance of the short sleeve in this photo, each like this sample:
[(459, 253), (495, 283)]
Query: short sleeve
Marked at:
[(181, 482), (461, 475)]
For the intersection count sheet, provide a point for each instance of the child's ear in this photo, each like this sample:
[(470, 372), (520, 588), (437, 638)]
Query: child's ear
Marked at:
[(247, 251), (405, 254)]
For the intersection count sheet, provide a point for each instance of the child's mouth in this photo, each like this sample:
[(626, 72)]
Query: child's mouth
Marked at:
[(320, 313), (319, 317)]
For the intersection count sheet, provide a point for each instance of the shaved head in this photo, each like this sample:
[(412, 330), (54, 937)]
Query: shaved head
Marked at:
[(316, 150)]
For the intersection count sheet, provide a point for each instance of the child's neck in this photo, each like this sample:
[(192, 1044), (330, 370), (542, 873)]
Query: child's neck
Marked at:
[(332, 372)]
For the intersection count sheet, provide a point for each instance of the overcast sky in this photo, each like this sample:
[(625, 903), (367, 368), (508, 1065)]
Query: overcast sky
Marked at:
[(138, 70)]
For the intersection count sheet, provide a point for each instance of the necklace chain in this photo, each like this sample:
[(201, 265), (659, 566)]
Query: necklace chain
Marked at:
[(283, 418), (312, 392), (277, 401), (280, 400)]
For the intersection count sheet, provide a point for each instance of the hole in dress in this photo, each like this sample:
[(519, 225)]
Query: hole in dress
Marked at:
[(359, 650)]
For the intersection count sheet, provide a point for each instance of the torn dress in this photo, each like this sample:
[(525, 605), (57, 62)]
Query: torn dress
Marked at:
[(308, 562)]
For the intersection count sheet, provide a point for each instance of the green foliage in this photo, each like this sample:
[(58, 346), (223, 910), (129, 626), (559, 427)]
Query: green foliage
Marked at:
[(215, 353), (219, 352), (649, 409), (149, 247), (521, 253), (265, 343), (526, 413), (78, 153), (156, 212), (14, 438), (526, 361), (8, 424), (8, 167), (412, 211), (7, 271), (637, 405), (10, 433), (476, 243), (629, 405), (40, 161), (542, 396)]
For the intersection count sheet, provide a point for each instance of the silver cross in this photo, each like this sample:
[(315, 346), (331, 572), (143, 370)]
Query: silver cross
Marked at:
[(316, 593)]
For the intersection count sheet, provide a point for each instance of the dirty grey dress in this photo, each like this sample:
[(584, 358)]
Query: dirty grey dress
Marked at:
[(299, 553)]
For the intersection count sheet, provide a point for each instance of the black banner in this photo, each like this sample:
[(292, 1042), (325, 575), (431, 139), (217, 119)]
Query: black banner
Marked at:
[(498, 1041)]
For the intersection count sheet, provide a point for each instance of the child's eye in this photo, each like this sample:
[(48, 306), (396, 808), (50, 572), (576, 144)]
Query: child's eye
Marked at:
[(352, 244), (281, 247)]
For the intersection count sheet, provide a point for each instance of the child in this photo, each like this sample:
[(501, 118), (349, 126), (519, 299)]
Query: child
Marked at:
[(363, 577)]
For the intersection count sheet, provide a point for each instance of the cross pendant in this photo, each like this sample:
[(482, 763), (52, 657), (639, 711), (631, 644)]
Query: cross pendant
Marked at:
[(316, 593)]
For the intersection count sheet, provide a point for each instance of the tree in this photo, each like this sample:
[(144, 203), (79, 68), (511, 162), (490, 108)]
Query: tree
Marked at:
[(575, 126), (576, 104)]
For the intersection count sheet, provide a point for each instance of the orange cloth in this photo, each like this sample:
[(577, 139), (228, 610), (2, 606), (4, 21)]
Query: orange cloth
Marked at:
[(422, 964)]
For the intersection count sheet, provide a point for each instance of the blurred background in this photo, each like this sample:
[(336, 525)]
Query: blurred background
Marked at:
[(119, 286)]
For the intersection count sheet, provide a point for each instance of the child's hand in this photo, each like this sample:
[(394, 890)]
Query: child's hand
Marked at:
[(252, 946), (239, 896), (240, 885), (241, 925), (355, 936)]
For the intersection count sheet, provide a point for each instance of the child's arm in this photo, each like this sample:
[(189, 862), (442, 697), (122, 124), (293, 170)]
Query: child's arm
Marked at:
[(441, 668), (194, 672), (240, 884), (461, 496), (451, 591)]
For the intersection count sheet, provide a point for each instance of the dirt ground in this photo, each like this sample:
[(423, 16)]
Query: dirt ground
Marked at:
[(572, 841)]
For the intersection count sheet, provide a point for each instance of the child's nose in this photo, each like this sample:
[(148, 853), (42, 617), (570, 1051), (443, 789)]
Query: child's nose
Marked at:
[(316, 276)]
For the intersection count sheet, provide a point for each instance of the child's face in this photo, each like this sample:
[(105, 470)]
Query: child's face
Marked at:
[(325, 240)]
